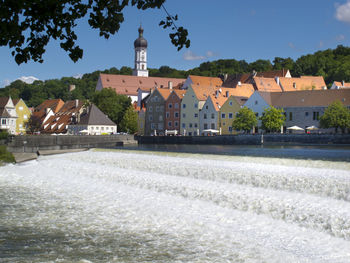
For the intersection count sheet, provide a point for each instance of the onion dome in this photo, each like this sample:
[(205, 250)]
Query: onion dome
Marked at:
[(140, 42)]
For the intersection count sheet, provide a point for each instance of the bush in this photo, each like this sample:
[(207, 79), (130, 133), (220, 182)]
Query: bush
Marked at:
[(3, 135), (5, 156)]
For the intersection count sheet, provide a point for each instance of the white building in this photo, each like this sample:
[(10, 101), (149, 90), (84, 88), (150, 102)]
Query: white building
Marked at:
[(8, 115)]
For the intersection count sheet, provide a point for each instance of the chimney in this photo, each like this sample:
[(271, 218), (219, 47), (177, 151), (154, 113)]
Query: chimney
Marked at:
[(216, 93), (76, 103), (170, 85), (239, 83), (277, 80), (227, 94), (343, 83)]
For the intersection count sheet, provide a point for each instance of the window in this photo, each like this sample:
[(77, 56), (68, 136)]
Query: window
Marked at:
[(223, 115), (3, 121), (184, 125), (205, 115), (176, 114), (176, 124), (190, 134), (167, 115), (176, 105), (196, 125), (213, 126), (195, 133), (20, 108), (20, 125), (224, 124), (256, 102), (150, 109), (190, 125), (195, 105), (213, 116), (150, 118), (316, 115), (157, 108), (184, 106), (196, 115), (206, 106), (160, 118), (102, 128), (25, 116), (205, 126), (169, 124), (230, 115), (170, 105), (153, 126), (183, 115), (290, 116), (230, 103), (230, 129)]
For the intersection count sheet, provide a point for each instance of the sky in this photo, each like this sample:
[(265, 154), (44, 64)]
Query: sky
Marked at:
[(222, 29)]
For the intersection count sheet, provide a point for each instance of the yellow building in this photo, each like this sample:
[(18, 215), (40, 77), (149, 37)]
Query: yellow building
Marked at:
[(23, 114), (228, 113)]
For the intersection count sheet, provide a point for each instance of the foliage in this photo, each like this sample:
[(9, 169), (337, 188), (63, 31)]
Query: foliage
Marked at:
[(129, 121), (3, 134), (27, 26), (112, 104), (5, 156), (245, 120), (336, 116), (272, 119), (33, 124)]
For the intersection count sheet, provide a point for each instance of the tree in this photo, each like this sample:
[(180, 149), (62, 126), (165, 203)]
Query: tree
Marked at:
[(272, 119), (27, 26), (336, 116), (129, 121), (112, 104), (33, 124), (245, 120)]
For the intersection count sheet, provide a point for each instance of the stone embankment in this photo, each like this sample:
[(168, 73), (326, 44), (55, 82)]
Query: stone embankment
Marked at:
[(30, 146), (258, 139)]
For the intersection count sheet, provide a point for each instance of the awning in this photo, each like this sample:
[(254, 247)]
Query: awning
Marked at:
[(295, 128)]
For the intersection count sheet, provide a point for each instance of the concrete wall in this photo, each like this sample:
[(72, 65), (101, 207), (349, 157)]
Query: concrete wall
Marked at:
[(293, 139), (34, 143)]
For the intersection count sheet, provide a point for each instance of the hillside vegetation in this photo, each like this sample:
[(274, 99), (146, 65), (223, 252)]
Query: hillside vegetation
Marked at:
[(332, 64)]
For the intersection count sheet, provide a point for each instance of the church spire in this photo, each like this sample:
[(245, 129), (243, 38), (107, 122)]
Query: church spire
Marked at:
[(140, 46)]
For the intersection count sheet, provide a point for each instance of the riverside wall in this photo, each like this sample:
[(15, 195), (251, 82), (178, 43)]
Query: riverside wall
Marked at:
[(258, 139), (35, 143)]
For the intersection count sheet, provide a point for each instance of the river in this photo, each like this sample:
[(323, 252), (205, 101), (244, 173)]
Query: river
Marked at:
[(153, 206)]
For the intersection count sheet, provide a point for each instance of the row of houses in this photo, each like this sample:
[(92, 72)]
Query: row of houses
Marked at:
[(54, 117), (203, 105)]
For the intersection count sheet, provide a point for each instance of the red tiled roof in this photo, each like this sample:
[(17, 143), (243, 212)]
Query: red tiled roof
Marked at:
[(302, 83), (266, 84), (128, 85), (205, 81)]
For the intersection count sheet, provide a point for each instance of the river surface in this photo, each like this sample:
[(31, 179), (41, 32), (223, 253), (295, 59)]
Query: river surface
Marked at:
[(153, 206)]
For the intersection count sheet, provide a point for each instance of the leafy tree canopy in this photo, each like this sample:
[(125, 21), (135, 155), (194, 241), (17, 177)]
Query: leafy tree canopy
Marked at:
[(27, 26), (245, 120), (129, 121), (336, 116), (272, 119), (112, 104)]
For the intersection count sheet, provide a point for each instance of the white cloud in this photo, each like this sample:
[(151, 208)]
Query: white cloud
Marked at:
[(321, 44), (28, 80), (78, 76), (5, 83), (189, 55), (211, 54), (340, 37), (342, 12)]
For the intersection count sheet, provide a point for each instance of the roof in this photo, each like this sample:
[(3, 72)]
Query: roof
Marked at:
[(218, 101), (54, 104), (94, 116), (3, 101), (232, 80), (340, 84), (164, 93), (203, 92), (71, 106), (128, 85), (307, 98), (205, 81), (302, 83), (266, 84), (242, 90)]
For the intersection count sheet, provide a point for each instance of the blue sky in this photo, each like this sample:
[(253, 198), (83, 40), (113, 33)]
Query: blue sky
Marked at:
[(222, 29)]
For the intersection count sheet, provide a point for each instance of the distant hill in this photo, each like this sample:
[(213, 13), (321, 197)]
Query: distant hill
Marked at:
[(332, 64)]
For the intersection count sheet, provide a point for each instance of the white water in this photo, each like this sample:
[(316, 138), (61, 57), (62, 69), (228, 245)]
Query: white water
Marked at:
[(138, 207)]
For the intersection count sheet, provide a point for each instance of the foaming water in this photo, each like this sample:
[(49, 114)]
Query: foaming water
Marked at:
[(131, 206)]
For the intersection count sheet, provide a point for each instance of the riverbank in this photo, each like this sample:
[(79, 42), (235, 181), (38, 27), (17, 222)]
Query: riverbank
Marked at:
[(248, 139)]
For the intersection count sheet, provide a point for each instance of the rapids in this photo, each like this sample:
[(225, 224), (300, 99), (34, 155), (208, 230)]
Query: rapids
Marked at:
[(134, 206)]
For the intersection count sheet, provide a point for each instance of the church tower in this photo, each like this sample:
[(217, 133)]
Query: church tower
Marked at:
[(140, 46)]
